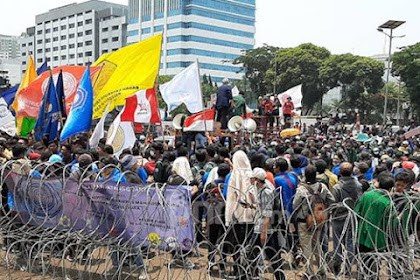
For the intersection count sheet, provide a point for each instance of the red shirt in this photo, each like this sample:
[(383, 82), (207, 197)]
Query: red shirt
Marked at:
[(288, 107), (268, 106)]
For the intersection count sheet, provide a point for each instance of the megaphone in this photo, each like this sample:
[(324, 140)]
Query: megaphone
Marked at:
[(177, 121), (250, 125), (235, 124)]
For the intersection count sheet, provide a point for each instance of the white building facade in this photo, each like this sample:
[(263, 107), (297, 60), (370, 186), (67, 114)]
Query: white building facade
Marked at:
[(9, 47), (213, 31), (71, 35)]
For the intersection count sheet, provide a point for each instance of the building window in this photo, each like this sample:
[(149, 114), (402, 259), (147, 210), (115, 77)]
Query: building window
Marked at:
[(114, 50), (71, 36), (80, 55), (105, 29), (71, 56), (88, 54), (23, 45), (63, 18), (37, 51), (80, 23), (63, 27), (104, 51), (88, 12), (55, 20), (39, 60), (71, 46), (47, 31), (71, 25), (114, 39), (39, 32), (24, 53), (88, 21), (47, 50), (63, 57), (63, 47), (79, 45), (39, 42), (79, 14), (30, 44), (64, 37), (24, 63), (55, 29), (88, 32), (72, 16), (55, 58), (80, 34), (88, 43), (48, 40), (116, 27), (104, 41), (55, 49), (55, 39), (48, 59)]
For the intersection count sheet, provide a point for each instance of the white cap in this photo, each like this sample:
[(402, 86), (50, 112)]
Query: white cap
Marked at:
[(225, 81), (259, 174)]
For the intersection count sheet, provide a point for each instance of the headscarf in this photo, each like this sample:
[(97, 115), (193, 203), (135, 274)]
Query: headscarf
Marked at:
[(181, 167), (240, 189)]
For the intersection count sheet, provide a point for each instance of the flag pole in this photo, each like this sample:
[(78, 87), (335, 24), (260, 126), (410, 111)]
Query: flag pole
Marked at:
[(202, 98), (160, 117)]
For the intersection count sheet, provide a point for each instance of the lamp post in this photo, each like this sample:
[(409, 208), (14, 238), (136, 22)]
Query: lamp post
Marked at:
[(391, 25)]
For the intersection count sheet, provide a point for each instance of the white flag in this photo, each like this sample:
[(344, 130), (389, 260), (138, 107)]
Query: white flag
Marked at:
[(99, 131), (295, 93), (235, 91), (184, 88), (121, 135)]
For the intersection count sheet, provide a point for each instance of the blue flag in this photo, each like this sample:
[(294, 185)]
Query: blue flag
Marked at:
[(80, 116), (60, 95), (9, 95), (48, 117)]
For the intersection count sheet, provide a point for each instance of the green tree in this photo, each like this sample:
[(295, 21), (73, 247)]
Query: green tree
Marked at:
[(205, 80), (161, 80), (300, 65), (406, 65), (358, 76), (255, 63), (210, 81)]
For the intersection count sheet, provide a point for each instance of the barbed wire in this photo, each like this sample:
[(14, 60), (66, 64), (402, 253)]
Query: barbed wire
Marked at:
[(61, 226)]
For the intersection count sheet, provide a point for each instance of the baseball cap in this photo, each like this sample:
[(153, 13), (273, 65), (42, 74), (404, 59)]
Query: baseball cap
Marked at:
[(55, 158), (259, 173)]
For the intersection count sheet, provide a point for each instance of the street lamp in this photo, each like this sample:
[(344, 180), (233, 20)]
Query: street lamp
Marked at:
[(391, 25)]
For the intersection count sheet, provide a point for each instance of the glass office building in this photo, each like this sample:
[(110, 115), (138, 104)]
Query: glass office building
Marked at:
[(213, 31)]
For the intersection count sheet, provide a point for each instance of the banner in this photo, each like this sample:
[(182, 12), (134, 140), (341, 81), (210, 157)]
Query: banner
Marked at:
[(137, 216)]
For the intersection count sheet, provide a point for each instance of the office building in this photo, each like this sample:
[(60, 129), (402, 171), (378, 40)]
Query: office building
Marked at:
[(214, 31), (9, 47), (76, 34)]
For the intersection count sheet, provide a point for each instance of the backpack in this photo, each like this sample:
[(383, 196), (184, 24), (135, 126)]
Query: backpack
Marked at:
[(298, 178), (317, 215), (214, 192)]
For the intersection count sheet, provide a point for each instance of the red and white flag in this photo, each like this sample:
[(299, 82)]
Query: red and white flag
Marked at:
[(196, 122), (142, 107)]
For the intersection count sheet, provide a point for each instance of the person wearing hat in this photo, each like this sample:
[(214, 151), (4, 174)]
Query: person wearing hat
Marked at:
[(288, 108), (138, 174), (263, 236)]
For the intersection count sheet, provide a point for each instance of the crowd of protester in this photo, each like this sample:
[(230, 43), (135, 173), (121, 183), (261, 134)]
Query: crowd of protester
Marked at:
[(289, 197)]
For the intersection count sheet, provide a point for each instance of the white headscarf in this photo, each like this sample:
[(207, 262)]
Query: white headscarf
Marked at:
[(181, 167), (240, 189)]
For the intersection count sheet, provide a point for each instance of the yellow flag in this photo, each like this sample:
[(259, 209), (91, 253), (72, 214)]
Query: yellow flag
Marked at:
[(28, 77), (127, 71)]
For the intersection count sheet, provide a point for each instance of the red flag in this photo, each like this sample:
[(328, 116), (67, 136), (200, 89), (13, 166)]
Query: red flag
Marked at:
[(142, 107), (30, 98), (196, 122)]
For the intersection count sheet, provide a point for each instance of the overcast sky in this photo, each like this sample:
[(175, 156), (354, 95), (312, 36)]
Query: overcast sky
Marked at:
[(339, 25)]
